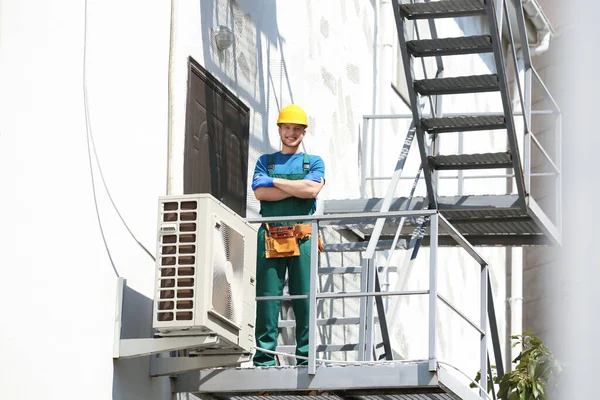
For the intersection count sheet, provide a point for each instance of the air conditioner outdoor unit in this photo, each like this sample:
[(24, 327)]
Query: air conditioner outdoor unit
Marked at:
[(205, 272)]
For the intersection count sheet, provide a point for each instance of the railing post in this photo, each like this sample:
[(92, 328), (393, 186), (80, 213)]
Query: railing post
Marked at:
[(370, 317), (312, 298), (433, 294), (362, 320), (363, 161), (483, 325)]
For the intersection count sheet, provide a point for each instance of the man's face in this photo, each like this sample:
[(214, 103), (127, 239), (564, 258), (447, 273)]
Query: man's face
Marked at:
[(291, 134)]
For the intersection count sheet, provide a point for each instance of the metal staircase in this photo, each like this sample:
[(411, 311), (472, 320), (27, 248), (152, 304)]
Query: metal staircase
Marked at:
[(408, 223), (459, 85)]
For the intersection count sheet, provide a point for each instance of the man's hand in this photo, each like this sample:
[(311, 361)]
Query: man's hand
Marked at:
[(262, 181)]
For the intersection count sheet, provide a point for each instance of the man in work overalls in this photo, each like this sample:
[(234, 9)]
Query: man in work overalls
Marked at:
[(286, 183)]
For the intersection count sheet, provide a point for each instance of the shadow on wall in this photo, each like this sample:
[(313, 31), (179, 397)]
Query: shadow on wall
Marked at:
[(241, 67), (131, 377)]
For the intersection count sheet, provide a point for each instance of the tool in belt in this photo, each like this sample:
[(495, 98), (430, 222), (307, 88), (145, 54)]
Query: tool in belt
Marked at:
[(282, 241)]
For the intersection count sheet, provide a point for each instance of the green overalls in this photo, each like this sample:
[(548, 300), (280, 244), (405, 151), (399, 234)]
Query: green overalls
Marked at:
[(270, 274)]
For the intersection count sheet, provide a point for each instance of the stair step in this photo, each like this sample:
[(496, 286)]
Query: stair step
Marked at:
[(463, 124), (326, 322), (321, 348), (361, 246), (443, 9), (450, 46), (471, 161), (458, 85)]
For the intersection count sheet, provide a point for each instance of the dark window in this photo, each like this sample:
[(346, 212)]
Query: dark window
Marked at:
[(216, 140)]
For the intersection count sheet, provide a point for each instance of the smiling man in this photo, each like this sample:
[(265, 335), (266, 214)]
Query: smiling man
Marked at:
[(286, 183)]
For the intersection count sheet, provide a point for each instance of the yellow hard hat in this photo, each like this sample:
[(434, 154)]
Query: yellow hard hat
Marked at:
[(292, 114)]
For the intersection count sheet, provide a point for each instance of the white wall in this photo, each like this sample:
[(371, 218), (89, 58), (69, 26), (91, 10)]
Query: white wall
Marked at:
[(58, 285)]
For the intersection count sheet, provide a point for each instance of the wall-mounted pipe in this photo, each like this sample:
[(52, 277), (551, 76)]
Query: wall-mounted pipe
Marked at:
[(539, 29)]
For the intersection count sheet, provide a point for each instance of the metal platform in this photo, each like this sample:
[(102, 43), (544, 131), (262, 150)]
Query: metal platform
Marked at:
[(393, 381), (494, 220)]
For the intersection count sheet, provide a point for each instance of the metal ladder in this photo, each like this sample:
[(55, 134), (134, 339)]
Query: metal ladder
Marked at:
[(381, 350), (432, 126)]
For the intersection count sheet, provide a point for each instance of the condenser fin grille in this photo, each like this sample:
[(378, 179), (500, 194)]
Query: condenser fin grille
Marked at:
[(177, 259)]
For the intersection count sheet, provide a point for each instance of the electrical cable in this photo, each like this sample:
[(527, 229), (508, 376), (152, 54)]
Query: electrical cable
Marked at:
[(90, 139), (114, 205), (88, 130)]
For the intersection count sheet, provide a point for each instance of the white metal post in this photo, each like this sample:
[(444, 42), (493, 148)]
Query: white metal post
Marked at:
[(363, 163), (370, 317), (433, 294), (558, 162), (527, 110), (121, 282), (312, 298), (362, 320), (483, 326)]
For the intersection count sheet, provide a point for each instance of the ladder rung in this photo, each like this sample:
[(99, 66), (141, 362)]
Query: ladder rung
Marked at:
[(321, 348), (463, 124), (458, 85), (361, 246), (327, 321), (443, 9), (450, 46), (471, 161), (349, 270)]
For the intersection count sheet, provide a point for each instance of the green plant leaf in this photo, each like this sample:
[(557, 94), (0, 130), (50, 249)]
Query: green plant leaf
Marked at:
[(513, 396), (533, 367), (535, 390)]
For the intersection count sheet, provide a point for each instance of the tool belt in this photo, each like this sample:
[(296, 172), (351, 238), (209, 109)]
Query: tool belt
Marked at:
[(282, 241)]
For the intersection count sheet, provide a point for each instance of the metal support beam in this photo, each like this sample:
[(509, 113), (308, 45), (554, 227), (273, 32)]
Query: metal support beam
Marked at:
[(131, 348), (414, 104), (160, 366), (508, 115)]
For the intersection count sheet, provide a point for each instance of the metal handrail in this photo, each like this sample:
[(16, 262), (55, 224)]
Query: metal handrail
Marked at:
[(436, 220)]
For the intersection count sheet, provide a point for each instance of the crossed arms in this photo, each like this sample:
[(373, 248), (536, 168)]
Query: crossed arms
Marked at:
[(284, 188)]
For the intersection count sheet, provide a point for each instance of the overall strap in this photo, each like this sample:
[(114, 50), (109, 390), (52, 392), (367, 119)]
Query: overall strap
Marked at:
[(306, 163), (270, 164)]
